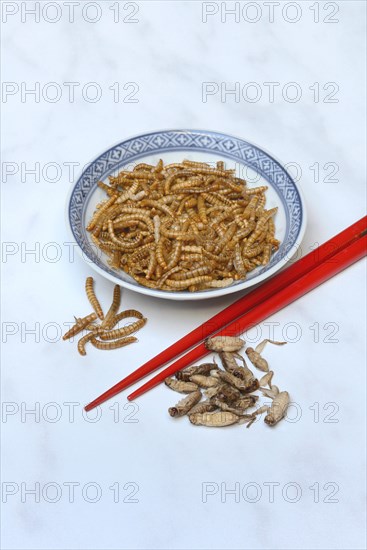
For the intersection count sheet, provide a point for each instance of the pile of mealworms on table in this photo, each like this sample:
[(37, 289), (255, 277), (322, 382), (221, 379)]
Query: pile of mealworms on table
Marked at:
[(101, 335), (229, 393), (183, 226)]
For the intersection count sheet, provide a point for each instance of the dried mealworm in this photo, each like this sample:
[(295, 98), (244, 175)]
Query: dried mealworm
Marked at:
[(278, 408), (185, 404), (180, 386), (252, 252), (238, 261), (80, 325), (113, 308), (224, 343), (87, 338), (127, 313), (214, 419), (157, 224), (159, 253), (202, 209), (99, 213), (123, 245), (220, 284), (124, 331), (195, 164), (175, 256), (180, 285), (92, 297), (152, 264), (159, 206), (114, 344), (168, 273), (109, 190), (267, 253), (257, 190), (204, 270)]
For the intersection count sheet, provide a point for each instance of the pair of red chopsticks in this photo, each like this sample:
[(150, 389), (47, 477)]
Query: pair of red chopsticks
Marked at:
[(304, 275)]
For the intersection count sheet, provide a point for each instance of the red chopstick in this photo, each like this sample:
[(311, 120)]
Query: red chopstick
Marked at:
[(284, 297), (321, 254)]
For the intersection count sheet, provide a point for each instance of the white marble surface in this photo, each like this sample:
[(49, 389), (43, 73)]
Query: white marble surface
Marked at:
[(169, 53)]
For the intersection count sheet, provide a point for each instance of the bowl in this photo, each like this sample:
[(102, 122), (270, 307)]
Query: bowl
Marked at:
[(251, 162)]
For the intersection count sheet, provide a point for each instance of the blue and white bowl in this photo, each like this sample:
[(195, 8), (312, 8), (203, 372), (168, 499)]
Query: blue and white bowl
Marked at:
[(250, 162)]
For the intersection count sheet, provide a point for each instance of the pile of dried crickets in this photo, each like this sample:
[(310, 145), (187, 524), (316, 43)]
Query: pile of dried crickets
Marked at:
[(101, 335), (183, 226), (229, 392)]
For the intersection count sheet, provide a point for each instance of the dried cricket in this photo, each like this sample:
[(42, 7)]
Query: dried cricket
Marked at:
[(272, 392), (244, 373), (256, 413), (204, 369), (211, 392), (215, 419), (222, 405), (185, 404), (228, 361), (224, 343), (230, 390), (278, 408), (203, 407), (255, 357), (245, 386), (204, 381), (180, 386), (228, 393), (266, 379), (246, 402)]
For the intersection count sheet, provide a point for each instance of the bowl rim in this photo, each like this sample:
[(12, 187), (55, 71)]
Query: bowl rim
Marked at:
[(183, 295)]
